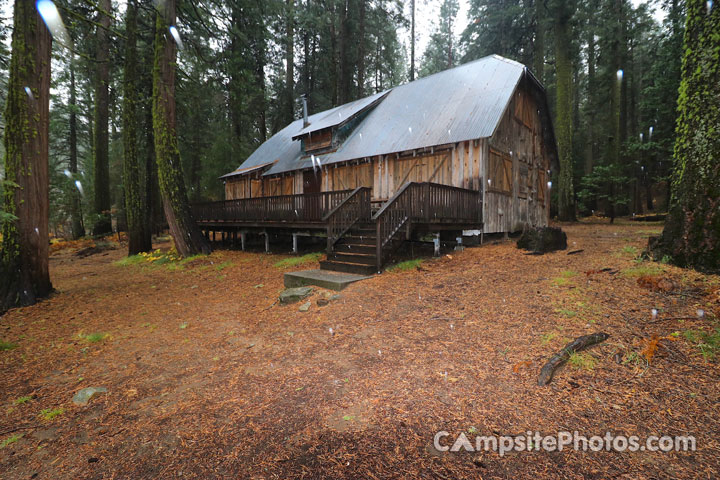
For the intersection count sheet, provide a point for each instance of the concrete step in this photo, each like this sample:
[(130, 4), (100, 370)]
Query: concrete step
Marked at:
[(321, 278), (361, 258), (358, 268)]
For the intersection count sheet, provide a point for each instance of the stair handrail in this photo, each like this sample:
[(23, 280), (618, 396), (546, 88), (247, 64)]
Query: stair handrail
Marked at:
[(391, 217), (354, 208)]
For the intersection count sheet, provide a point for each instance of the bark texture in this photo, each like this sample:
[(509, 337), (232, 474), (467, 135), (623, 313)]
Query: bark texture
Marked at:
[(139, 235), (24, 275), (186, 234), (564, 112), (102, 203), (692, 231)]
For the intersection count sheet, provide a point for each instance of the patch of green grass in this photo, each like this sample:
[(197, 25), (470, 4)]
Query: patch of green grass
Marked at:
[(406, 265), (546, 338), (49, 414), (629, 250), (222, 266), (131, 260), (642, 270), (295, 261), (583, 361), (566, 313), (564, 278), (707, 343), (10, 440), (6, 346), (21, 400), (635, 358), (95, 337)]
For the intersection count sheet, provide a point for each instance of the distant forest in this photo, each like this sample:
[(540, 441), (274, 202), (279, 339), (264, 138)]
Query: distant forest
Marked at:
[(243, 65)]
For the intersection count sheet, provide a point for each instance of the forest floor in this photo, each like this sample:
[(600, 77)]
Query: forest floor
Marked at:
[(209, 377)]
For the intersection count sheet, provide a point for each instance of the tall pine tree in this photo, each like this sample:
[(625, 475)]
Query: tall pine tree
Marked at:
[(692, 231)]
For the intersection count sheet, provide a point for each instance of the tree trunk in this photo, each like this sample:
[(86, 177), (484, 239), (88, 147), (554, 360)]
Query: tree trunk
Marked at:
[(412, 41), (290, 63), (139, 235), (692, 231), (186, 234), (564, 112), (344, 77), (76, 226), (24, 274), (102, 203), (361, 51), (539, 44), (591, 94)]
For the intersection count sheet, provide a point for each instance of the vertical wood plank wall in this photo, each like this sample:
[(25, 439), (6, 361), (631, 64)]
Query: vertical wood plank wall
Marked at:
[(519, 135), (465, 164)]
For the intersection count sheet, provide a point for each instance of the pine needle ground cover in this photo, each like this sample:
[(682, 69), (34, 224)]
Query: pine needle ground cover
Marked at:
[(207, 375)]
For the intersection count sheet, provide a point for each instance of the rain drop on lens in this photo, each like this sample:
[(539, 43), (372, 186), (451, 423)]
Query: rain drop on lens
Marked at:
[(176, 36), (29, 93), (79, 187), (53, 21)]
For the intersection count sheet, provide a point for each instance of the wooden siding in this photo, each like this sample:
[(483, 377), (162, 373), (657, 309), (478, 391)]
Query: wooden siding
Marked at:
[(514, 158), (519, 137)]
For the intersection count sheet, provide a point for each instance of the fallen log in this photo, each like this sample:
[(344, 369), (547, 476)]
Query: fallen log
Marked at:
[(580, 343)]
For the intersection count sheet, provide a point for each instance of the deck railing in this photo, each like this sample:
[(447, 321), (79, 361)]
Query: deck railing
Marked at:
[(424, 203), (355, 208), (306, 207)]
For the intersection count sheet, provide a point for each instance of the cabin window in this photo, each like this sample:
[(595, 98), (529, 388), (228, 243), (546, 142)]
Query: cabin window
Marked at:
[(501, 173), (318, 140)]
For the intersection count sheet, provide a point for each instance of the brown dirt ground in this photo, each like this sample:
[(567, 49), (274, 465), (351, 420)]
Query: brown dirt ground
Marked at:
[(251, 389)]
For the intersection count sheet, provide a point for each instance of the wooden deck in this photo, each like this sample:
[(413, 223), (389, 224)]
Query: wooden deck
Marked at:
[(346, 216)]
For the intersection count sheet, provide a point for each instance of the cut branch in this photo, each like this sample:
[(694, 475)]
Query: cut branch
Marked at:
[(580, 343)]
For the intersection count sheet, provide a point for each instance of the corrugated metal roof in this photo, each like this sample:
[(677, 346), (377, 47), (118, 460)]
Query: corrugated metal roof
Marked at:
[(463, 103), (242, 170), (340, 114)]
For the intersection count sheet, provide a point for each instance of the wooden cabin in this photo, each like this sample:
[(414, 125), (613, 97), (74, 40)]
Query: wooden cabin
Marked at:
[(478, 133)]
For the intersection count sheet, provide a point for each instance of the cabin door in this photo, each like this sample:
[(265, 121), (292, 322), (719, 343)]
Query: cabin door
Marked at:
[(311, 181), (311, 187)]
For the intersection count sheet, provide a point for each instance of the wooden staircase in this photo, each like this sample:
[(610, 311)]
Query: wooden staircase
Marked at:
[(361, 243), (355, 252)]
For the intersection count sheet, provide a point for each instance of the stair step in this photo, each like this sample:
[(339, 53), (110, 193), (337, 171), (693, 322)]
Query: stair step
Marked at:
[(359, 240), (363, 231), (364, 259), (347, 267), (344, 247)]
